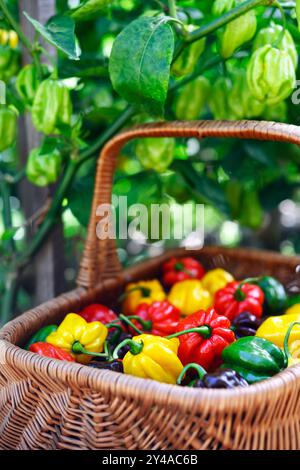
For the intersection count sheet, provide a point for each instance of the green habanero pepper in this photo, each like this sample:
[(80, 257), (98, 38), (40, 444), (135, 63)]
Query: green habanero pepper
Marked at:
[(191, 99), (241, 101), (219, 99), (276, 36), (155, 153), (275, 295), (187, 60), (8, 126), (298, 13), (255, 359), (43, 169), (238, 31), (271, 75), (52, 107), (277, 112), (9, 63), (28, 82), (41, 335)]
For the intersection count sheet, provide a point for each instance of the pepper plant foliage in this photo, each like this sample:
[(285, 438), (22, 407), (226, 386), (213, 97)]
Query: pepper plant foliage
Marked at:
[(123, 62)]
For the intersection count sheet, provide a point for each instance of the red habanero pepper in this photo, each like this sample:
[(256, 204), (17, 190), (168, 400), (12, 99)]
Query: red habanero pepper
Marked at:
[(158, 318), (238, 297), (180, 269), (98, 312), (48, 350), (204, 348)]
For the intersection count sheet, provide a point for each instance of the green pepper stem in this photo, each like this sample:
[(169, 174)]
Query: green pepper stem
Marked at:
[(135, 347), (204, 331), (287, 337), (145, 291), (114, 325), (192, 365), (146, 324), (77, 348), (124, 319)]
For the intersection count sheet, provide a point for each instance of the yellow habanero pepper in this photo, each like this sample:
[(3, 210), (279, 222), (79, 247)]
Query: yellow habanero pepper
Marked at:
[(189, 296), (141, 292), (216, 279), (295, 309), (275, 328), (79, 337), (152, 357)]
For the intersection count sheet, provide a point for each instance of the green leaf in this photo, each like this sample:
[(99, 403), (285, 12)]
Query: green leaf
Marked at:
[(9, 233), (140, 62), (208, 190), (60, 32), (80, 198), (89, 9), (86, 68)]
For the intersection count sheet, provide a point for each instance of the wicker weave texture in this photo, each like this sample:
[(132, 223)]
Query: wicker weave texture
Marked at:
[(49, 404)]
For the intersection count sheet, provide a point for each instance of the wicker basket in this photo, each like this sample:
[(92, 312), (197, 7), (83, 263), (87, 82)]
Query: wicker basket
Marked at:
[(49, 404)]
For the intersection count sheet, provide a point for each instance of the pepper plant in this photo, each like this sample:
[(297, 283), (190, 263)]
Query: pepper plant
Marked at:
[(123, 62)]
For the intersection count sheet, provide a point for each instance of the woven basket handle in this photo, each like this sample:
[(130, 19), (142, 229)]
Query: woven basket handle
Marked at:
[(100, 259)]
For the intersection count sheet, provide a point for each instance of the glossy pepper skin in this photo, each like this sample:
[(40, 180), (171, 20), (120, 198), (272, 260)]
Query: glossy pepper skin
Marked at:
[(155, 154), (275, 295), (271, 35), (275, 328), (220, 378), (52, 107), (49, 350), (179, 269), (187, 109), (245, 324), (238, 31), (75, 330), (237, 297), (242, 103), (27, 83), (189, 296), (141, 292), (8, 126), (271, 75), (114, 366), (155, 359), (255, 359), (98, 312), (216, 279), (163, 317), (187, 60), (43, 169), (205, 351), (41, 335)]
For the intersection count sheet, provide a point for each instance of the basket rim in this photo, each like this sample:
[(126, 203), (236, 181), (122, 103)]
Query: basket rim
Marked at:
[(148, 390)]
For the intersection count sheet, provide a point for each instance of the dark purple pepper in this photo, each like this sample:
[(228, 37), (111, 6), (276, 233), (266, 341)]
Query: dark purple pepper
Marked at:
[(115, 366), (245, 324), (221, 378)]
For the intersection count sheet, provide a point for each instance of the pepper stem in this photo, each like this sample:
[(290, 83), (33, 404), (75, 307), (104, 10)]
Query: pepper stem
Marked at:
[(179, 267), (204, 331), (145, 291), (77, 348), (124, 319), (287, 338), (135, 347), (146, 324), (192, 365)]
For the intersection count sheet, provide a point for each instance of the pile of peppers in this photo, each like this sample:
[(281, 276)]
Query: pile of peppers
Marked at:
[(192, 327)]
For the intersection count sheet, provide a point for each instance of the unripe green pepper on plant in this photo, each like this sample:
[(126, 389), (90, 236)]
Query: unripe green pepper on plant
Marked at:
[(271, 75), (187, 60), (52, 107), (191, 99), (219, 99), (9, 63), (238, 31), (27, 83), (8, 126), (41, 169), (155, 154), (241, 101), (276, 36)]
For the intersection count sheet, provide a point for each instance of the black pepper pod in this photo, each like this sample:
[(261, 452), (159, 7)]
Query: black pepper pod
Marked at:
[(221, 378), (245, 324), (115, 366)]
